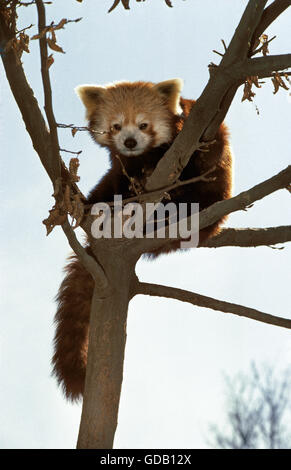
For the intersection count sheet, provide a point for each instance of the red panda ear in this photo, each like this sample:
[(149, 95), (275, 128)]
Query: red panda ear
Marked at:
[(91, 95), (170, 89)]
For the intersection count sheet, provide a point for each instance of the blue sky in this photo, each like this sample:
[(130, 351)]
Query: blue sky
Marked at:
[(175, 353)]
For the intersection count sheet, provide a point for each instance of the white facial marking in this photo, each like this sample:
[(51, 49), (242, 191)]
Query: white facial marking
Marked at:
[(163, 133), (133, 133)]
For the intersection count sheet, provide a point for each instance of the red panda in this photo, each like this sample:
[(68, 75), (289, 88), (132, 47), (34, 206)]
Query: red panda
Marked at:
[(137, 122)]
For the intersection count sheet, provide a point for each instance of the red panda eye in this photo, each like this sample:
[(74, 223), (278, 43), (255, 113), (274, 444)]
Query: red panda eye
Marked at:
[(117, 127), (143, 126)]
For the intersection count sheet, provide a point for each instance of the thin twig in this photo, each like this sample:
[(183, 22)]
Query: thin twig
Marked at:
[(24, 29), (219, 53), (144, 196), (70, 151), (88, 261), (134, 184), (80, 128), (224, 45)]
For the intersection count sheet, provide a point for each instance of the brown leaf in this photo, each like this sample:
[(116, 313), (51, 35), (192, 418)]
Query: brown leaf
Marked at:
[(116, 2), (55, 218), (58, 191), (74, 131), (54, 46), (61, 24), (41, 34), (73, 169), (255, 81), (276, 85), (50, 61), (125, 3), (281, 81), (78, 210), (67, 199), (264, 38), (278, 82), (24, 41), (248, 93), (265, 49)]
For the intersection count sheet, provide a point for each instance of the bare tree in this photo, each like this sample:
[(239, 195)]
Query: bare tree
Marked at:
[(112, 264), (258, 410)]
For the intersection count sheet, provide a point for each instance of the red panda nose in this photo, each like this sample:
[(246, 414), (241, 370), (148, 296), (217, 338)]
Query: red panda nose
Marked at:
[(130, 143)]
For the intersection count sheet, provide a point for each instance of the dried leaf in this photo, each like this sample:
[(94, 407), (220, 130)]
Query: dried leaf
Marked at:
[(67, 199), (58, 192), (263, 38), (56, 217), (42, 33), (125, 3), (116, 2), (278, 82), (78, 210), (264, 48), (276, 85), (255, 80), (61, 24), (74, 131), (281, 81), (73, 169), (248, 93), (54, 46), (23, 42), (50, 61)]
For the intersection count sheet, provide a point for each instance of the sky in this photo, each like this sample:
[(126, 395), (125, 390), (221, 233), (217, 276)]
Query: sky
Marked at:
[(176, 353)]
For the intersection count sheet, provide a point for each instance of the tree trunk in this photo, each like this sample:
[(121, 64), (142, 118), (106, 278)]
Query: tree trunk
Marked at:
[(104, 372)]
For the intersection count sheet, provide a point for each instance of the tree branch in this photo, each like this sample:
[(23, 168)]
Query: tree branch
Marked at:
[(46, 146), (208, 302), (26, 101), (48, 105), (211, 107), (88, 261), (240, 42), (241, 201), (221, 209), (263, 66), (269, 16), (249, 237)]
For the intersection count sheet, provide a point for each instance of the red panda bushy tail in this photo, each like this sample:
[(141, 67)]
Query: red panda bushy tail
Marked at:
[(72, 321)]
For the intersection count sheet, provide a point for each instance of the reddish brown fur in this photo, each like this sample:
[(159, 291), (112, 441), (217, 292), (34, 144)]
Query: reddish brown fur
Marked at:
[(75, 293)]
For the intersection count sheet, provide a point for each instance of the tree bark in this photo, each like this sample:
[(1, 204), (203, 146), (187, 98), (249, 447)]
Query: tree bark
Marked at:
[(104, 371)]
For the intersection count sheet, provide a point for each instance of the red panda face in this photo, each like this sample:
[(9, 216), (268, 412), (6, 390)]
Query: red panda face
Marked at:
[(131, 118), (133, 137)]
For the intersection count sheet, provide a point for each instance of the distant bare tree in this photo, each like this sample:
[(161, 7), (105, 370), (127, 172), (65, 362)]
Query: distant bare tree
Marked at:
[(258, 410), (111, 268)]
